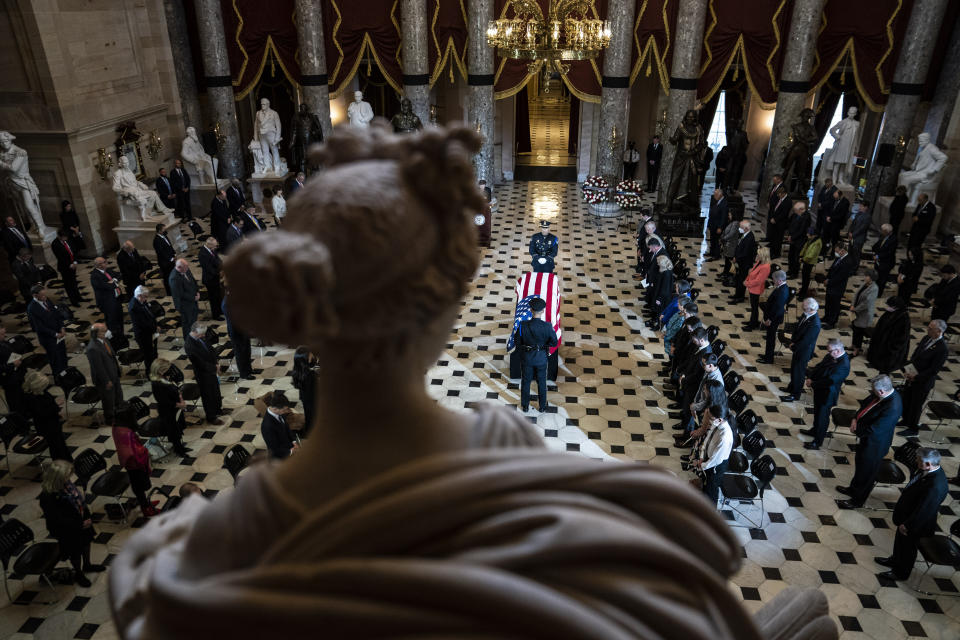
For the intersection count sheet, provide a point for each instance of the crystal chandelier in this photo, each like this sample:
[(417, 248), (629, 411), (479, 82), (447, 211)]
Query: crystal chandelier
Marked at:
[(568, 33)]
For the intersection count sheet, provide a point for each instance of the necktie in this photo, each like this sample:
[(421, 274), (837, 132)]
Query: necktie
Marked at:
[(867, 408), (106, 345), (19, 235), (109, 277), (69, 252)]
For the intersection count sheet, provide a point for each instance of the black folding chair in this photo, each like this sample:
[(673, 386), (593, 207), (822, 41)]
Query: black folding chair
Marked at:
[(34, 559), (749, 488), (112, 483), (236, 460), (940, 550)]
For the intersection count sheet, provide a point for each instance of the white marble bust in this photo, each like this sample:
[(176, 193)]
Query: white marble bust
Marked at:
[(133, 192), (191, 152), (16, 180), (846, 135), (360, 113), (925, 175), (266, 132)]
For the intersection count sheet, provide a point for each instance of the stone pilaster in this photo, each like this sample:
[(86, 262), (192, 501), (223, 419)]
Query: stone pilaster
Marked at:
[(905, 91), (313, 62), (615, 92), (684, 73), (947, 91), (416, 72), (480, 80), (794, 83), (183, 64), (216, 66)]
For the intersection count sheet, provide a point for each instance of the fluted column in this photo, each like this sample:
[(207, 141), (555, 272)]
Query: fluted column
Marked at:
[(480, 80), (907, 86), (615, 91), (313, 62), (684, 73), (794, 82), (183, 63), (416, 74)]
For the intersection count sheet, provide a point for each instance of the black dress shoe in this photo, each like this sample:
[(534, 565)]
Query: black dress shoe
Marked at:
[(909, 433), (674, 415), (81, 579), (827, 326), (808, 432), (685, 457), (889, 575), (812, 446), (848, 504), (845, 491), (883, 562), (787, 399), (94, 568), (764, 361)]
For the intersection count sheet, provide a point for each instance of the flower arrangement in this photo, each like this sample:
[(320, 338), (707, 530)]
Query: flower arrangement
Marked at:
[(595, 189), (628, 193)]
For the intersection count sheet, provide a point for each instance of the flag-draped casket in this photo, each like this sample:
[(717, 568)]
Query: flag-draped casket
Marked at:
[(547, 287)]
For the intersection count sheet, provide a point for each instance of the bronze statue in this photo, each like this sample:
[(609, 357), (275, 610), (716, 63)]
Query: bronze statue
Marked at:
[(406, 121), (304, 131), (691, 145), (737, 145), (798, 163)]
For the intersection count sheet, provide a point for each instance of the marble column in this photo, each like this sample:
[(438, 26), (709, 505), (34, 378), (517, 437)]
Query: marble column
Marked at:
[(183, 64), (908, 82), (416, 73), (946, 93), (684, 73), (615, 91), (794, 84), (313, 62), (480, 110), (216, 66)]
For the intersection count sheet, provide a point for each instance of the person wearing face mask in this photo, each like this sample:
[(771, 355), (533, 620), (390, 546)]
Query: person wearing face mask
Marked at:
[(873, 425), (803, 342), (809, 257), (836, 284), (860, 221), (890, 342), (909, 273), (825, 380), (104, 369), (944, 294), (921, 373), (46, 320), (713, 453), (863, 309), (884, 255), (744, 254)]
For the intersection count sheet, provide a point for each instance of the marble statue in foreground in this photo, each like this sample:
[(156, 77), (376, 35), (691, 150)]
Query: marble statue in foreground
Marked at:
[(359, 112), (132, 192), (924, 177), (19, 184), (192, 153), (398, 517)]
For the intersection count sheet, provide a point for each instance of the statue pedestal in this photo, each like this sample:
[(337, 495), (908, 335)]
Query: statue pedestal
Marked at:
[(201, 196), (141, 232), (42, 254), (258, 182)]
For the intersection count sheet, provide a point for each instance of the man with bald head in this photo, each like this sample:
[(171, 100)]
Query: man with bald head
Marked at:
[(131, 266), (185, 294)]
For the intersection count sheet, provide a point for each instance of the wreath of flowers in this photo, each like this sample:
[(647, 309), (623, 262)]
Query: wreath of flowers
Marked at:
[(628, 193), (595, 189)]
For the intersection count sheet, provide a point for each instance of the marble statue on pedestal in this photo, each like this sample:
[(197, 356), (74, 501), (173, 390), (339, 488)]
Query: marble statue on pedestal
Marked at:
[(259, 167), (360, 113), (304, 131), (19, 185), (406, 121), (131, 191), (845, 139), (266, 132), (798, 163), (927, 168), (691, 144), (192, 152)]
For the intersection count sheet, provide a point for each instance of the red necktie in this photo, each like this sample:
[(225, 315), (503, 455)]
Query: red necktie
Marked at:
[(863, 411), (109, 277), (70, 253)]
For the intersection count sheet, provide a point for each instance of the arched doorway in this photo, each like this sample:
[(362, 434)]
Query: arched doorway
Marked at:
[(543, 124)]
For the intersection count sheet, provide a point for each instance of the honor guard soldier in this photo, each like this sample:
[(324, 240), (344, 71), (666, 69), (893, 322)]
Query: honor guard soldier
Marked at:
[(543, 248), (534, 338)]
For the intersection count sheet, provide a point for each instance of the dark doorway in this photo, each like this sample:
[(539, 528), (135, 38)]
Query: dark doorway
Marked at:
[(543, 122)]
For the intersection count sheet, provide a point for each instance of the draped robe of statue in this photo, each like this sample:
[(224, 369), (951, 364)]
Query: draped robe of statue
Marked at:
[(691, 143)]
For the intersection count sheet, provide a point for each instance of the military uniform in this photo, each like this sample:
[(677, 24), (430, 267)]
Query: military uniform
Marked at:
[(534, 339), (543, 247)]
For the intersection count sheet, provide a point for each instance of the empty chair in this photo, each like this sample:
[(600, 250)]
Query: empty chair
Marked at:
[(906, 454), (712, 332), (750, 488), (140, 408), (87, 395), (20, 344), (752, 446), (724, 363), (731, 381), (14, 426), (943, 412), (738, 401), (236, 460), (939, 550), (718, 347), (112, 483), (37, 559), (35, 361), (747, 421), (130, 357)]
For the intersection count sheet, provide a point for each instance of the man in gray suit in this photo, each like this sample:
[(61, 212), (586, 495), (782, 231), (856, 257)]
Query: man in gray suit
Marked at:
[(104, 369), (860, 221), (185, 294)]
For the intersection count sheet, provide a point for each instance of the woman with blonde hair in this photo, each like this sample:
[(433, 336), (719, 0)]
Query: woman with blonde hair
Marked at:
[(170, 404), (755, 283), (662, 287), (68, 519), (45, 411)]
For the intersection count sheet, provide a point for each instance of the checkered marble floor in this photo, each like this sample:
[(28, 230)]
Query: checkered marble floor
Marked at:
[(549, 130), (607, 403)]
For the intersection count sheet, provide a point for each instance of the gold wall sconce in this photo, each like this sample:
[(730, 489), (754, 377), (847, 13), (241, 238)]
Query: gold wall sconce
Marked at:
[(901, 145), (103, 163), (154, 145)]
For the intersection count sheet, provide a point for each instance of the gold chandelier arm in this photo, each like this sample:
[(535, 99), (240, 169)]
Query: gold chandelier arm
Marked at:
[(527, 8)]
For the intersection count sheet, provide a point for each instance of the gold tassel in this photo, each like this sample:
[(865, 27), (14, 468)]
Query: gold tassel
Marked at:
[(273, 67), (452, 80), (368, 66), (649, 67)]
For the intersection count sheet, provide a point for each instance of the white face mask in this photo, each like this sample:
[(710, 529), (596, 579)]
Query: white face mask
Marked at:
[(855, 208), (108, 334), (742, 230), (836, 253)]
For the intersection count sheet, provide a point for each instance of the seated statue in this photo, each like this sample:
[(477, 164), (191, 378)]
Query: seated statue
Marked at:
[(925, 175), (399, 517), (191, 152), (135, 193)]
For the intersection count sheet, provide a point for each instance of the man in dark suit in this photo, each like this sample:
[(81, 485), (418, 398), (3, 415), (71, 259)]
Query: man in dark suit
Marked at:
[(837, 219), (716, 221), (107, 290), (185, 294), (167, 195), (104, 369), (944, 294), (744, 255), (534, 339), (220, 215), (654, 154), (274, 428), (251, 223), (131, 266), (210, 264), (773, 311), (11, 375), (180, 182), (915, 514), (654, 250), (797, 226), (204, 362), (802, 344), (923, 219), (824, 201), (67, 266), (836, 284), (166, 256), (873, 425), (48, 325), (241, 344), (144, 325), (234, 234), (825, 380), (27, 274), (299, 181), (921, 374), (774, 196), (884, 256), (14, 238), (777, 222), (235, 196)]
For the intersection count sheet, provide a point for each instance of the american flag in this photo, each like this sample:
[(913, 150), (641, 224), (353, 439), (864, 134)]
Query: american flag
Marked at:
[(547, 287), (523, 314)]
